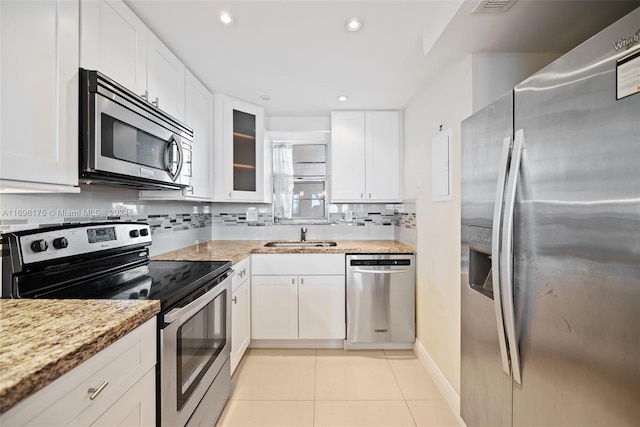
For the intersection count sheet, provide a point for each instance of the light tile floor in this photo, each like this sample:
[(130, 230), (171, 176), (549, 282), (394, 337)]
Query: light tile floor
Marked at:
[(301, 387)]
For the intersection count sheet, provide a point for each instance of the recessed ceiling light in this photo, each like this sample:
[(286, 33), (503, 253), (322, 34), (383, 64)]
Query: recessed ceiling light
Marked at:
[(342, 98), (353, 24), (225, 18)]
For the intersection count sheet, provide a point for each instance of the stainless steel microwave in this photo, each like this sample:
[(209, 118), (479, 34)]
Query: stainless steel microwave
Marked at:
[(127, 141)]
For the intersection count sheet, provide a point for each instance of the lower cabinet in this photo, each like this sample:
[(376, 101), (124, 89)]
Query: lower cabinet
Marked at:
[(240, 311), (116, 387), (307, 304)]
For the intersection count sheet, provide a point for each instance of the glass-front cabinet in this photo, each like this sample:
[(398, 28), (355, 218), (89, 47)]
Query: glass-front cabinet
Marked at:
[(239, 151), (244, 151)]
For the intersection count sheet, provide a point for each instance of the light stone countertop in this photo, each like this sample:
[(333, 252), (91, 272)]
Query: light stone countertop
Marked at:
[(236, 250), (40, 340)]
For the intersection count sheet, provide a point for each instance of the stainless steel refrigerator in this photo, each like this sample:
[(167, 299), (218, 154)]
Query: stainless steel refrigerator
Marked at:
[(551, 243)]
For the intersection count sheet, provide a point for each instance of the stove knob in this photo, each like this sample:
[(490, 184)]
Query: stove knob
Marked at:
[(39, 245), (60, 243), (144, 232), (134, 233)]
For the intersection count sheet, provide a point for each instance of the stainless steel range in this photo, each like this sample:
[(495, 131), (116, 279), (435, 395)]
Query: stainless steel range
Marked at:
[(111, 261)]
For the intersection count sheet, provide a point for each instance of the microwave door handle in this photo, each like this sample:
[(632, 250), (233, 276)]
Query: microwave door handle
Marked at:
[(173, 141), (506, 261), (495, 253)]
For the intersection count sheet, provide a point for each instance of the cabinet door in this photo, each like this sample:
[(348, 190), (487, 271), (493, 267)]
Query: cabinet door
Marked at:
[(199, 116), (347, 156), (165, 78), (321, 307), (137, 407), (39, 96), (243, 143), (114, 42), (274, 307), (383, 155), (240, 322)]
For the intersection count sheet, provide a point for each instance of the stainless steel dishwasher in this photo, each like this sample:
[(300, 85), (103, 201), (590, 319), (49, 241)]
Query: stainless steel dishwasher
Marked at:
[(381, 301)]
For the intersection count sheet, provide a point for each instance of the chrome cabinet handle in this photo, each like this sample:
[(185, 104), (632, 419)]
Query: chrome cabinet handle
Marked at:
[(301, 281), (156, 102), (495, 253), (96, 391), (369, 195), (362, 195), (506, 261), (235, 300), (145, 95)]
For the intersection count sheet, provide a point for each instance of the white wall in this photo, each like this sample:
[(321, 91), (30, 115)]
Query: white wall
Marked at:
[(446, 101), (302, 123)]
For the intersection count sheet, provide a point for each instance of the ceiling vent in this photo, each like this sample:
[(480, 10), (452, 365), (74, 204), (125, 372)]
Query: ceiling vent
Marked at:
[(493, 6)]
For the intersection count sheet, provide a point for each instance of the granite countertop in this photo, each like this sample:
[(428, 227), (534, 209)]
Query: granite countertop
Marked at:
[(40, 340), (236, 250)]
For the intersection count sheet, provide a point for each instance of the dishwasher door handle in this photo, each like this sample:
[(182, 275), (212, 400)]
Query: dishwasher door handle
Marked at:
[(357, 270)]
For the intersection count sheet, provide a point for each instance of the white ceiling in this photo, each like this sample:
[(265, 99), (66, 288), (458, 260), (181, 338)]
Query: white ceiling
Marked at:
[(299, 54)]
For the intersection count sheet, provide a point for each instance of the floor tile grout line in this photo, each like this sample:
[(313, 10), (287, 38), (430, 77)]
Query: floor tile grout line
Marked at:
[(406, 404), (315, 379), (394, 376)]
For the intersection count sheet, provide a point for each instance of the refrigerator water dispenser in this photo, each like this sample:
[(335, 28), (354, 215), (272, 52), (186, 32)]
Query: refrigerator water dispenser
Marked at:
[(480, 260)]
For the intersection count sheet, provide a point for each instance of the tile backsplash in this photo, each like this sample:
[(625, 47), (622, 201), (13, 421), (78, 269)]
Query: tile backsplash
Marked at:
[(178, 224)]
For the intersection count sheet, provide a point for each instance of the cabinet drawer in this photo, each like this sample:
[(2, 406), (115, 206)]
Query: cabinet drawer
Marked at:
[(67, 399), (243, 272), (297, 264)]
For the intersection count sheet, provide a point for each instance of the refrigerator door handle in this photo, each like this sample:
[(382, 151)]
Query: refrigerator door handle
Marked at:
[(506, 256), (495, 252)]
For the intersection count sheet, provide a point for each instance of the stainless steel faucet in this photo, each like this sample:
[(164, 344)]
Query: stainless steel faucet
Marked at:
[(303, 234)]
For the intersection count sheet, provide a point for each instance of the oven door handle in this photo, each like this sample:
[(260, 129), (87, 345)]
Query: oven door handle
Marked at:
[(193, 307)]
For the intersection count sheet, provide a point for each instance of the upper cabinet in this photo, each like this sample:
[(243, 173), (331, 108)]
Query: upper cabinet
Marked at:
[(117, 43), (239, 160), (165, 78), (114, 42), (366, 155), (199, 117), (39, 96)]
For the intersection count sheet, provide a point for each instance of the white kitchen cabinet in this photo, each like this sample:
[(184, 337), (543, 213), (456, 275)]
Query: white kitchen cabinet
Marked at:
[(126, 369), (240, 311), (321, 307), (298, 297), (239, 154), (199, 117), (366, 155), (274, 308), (114, 41), (39, 96), (165, 78)]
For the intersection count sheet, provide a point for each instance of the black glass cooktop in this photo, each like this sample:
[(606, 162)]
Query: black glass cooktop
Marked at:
[(168, 281)]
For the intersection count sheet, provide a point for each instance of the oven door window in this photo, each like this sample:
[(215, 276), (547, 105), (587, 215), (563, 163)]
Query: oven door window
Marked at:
[(124, 142), (199, 341)]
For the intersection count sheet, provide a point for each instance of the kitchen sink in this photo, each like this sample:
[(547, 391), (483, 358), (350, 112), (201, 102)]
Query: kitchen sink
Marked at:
[(299, 244)]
